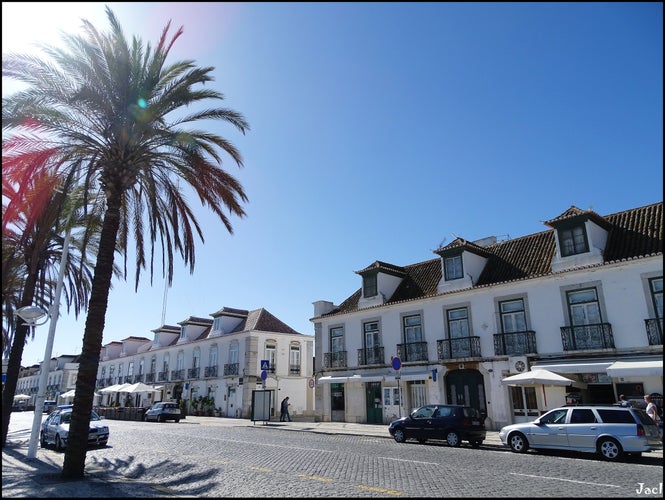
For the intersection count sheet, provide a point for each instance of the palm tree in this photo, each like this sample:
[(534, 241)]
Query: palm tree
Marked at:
[(35, 209), (116, 110)]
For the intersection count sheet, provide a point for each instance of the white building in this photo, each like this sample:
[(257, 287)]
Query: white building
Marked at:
[(63, 371), (583, 299), (219, 358)]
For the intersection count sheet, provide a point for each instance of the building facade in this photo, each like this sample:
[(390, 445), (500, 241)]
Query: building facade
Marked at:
[(63, 371), (218, 360), (582, 299)]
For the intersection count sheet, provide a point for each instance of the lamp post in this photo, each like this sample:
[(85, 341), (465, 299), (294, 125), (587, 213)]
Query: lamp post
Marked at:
[(46, 363)]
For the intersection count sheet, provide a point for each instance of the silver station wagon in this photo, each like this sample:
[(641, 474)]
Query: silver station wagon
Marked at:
[(610, 431)]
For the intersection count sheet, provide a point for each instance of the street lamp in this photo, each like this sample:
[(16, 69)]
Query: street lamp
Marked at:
[(32, 314)]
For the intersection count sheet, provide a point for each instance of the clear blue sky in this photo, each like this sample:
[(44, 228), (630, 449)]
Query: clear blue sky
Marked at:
[(379, 130)]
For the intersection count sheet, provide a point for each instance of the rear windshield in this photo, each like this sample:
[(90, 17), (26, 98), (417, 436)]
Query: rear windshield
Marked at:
[(170, 405), (643, 416), (616, 416), (471, 413)]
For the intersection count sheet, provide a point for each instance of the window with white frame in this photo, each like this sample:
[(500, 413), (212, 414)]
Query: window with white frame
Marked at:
[(153, 364), (372, 343), (167, 360), (213, 356), (130, 369), (141, 364), (196, 358), (513, 318), (458, 323), (656, 287), (370, 288), (453, 267), (337, 339), (413, 328), (180, 361), (294, 359), (233, 353), (183, 332), (584, 307), (270, 353), (573, 241), (217, 324)]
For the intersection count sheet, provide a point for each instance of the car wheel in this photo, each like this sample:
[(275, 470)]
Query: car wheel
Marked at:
[(399, 435), (422, 440), (518, 442), (476, 443), (609, 449), (42, 440), (58, 443), (159, 418), (453, 439), (177, 420)]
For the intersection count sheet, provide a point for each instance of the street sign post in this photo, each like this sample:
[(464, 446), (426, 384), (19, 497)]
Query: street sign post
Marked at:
[(397, 364)]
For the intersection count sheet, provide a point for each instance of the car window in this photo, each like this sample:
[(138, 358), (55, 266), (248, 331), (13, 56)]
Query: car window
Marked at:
[(582, 416), (616, 416), (554, 417), (424, 412), (643, 416), (65, 418), (471, 413)]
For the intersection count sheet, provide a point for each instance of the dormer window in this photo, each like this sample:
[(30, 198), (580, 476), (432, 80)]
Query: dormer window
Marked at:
[(453, 267), (573, 241), (182, 332), (217, 324), (370, 285)]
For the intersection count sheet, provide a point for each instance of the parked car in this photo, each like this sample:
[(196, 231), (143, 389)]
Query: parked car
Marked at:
[(451, 423), (610, 431), (49, 406), (55, 429), (162, 411)]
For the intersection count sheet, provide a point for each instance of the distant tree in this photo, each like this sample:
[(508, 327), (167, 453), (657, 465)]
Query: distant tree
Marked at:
[(117, 110)]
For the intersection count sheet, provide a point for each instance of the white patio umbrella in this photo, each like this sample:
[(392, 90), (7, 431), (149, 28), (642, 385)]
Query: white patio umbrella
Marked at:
[(113, 388), (69, 394), (138, 387), (537, 377), (21, 396)]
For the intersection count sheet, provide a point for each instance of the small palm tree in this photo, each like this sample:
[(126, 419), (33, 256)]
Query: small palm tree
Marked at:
[(35, 213), (116, 109)]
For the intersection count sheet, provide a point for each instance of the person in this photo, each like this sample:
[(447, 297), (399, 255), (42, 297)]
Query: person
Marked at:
[(651, 409), (285, 410), (623, 401)]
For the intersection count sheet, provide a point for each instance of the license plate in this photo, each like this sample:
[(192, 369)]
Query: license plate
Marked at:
[(475, 422)]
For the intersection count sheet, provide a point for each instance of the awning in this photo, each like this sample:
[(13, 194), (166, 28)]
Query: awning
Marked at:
[(375, 377), (574, 367), (650, 368), (406, 377)]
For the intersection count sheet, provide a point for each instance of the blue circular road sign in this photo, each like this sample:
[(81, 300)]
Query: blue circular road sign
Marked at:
[(264, 375), (397, 363)]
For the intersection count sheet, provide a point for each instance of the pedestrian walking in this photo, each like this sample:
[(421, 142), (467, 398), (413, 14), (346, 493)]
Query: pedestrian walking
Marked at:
[(623, 401), (284, 416)]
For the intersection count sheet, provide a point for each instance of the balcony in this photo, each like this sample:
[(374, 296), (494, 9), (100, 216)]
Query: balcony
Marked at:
[(515, 343), (194, 372), (654, 328), (412, 351), (149, 378), (371, 356), (178, 374), (463, 347), (210, 371), (231, 369), (294, 369), (335, 359), (163, 376), (582, 337), (137, 378)]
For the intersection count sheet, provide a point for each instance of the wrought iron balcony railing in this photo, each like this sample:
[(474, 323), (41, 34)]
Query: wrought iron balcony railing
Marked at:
[(412, 351), (457, 348), (581, 337), (149, 377), (371, 356), (163, 376), (515, 343), (231, 369), (294, 369), (335, 359), (210, 371), (654, 328), (194, 372), (178, 374)]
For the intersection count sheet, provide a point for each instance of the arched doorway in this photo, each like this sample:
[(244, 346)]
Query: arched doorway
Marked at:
[(466, 387)]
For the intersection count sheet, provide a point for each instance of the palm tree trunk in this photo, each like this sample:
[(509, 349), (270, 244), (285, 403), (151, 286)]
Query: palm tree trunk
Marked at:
[(77, 442), (15, 355)]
